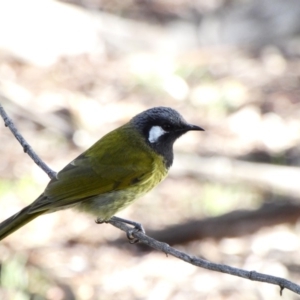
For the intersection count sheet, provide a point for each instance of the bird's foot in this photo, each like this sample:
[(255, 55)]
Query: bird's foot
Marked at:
[(99, 221), (137, 227)]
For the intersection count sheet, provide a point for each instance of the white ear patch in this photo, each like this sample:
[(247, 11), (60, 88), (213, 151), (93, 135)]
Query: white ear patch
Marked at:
[(155, 133)]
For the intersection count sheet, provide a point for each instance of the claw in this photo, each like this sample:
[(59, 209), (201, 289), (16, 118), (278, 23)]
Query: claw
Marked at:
[(137, 228), (131, 238)]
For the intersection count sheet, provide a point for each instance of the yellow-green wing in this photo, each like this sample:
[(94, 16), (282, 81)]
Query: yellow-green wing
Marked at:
[(115, 162)]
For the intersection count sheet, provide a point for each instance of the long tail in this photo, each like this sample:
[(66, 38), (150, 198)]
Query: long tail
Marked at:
[(16, 221)]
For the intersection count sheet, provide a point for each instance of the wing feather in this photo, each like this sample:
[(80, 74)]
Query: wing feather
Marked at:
[(105, 167)]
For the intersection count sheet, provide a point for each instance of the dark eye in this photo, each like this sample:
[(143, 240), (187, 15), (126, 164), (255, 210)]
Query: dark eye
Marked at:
[(166, 127)]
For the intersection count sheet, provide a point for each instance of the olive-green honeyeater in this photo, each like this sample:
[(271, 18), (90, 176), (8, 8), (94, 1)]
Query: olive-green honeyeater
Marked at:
[(123, 165)]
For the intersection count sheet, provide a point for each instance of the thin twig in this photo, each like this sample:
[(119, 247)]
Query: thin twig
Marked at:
[(205, 264), (143, 238), (26, 147)]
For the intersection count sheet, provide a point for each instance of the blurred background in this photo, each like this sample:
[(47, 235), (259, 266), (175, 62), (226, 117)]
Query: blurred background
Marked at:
[(72, 71)]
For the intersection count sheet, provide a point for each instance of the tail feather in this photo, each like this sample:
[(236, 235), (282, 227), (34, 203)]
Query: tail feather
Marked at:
[(16, 221)]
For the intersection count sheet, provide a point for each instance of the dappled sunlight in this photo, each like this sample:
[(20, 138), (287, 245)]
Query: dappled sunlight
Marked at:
[(70, 73)]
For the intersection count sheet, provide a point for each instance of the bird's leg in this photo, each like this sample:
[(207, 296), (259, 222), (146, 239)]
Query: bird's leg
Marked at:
[(137, 227)]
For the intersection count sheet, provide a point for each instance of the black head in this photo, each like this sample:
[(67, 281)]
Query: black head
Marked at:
[(161, 126)]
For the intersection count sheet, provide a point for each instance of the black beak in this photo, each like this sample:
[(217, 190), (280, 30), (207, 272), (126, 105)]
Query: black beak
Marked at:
[(190, 127)]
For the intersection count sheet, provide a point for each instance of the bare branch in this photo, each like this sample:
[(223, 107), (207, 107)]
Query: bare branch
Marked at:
[(199, 262), (205, 264), (26, 147)]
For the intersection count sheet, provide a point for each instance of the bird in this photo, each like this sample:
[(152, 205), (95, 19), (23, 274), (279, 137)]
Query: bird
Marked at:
[(120, 167)]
